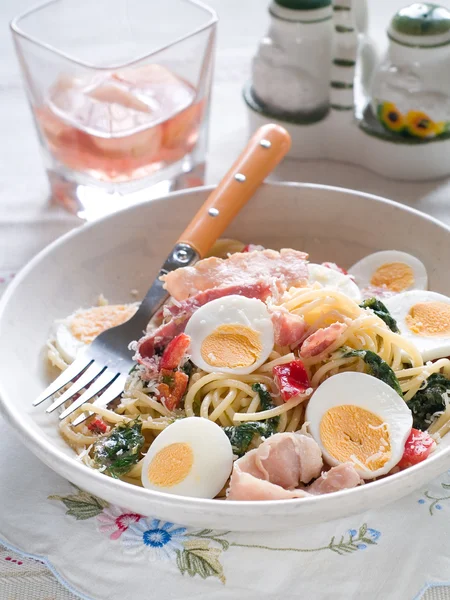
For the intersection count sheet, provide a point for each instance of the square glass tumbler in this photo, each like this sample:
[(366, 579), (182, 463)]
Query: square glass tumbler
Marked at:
[(120, 92)]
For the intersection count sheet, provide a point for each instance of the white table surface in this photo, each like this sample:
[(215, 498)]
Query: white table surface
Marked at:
[(28, 222)]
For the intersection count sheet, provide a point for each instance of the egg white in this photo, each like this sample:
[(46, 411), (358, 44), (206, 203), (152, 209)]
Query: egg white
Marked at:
[(431, 347), (230, 310), (371, 394), (67, 345), (364, 269), (334, 280), (213, 457)]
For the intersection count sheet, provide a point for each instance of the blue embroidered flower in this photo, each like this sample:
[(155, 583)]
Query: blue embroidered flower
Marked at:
[(158, 539), (361, 546), (352, 532), (373, 534)]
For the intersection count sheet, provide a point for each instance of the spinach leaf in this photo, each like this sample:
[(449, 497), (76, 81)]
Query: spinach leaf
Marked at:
[(429, 400), (377, 367), (188, 368), (264, 397), (381, 311), (116, 453), (241, 436)]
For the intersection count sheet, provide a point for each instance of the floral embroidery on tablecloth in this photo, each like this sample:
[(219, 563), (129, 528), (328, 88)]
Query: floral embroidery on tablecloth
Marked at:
[(193, 552), (436, 500)]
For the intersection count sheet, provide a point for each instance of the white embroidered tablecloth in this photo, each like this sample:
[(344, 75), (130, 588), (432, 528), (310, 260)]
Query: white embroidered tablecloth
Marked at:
[(59, 543)]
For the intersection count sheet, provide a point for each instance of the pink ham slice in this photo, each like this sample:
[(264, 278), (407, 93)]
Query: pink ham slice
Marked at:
[(276, 469), (281, 462), (244, 486), (338, 478), (289, 329), (284, 269), (284, 459), (321, 340)]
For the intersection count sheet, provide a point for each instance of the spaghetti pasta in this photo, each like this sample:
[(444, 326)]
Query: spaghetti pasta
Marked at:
[(231, 399)]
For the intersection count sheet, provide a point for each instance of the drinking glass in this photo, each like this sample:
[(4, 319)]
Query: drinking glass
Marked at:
[(119, 91)]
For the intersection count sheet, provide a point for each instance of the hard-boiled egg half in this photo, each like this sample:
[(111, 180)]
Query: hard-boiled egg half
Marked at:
[(334, 280), (391, 269), (233, 334), (423, 318), (359, 419), (191, 457), (83, 326)]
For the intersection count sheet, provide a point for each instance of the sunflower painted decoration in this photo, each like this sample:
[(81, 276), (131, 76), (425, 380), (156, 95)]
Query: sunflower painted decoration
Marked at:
[(411, 88), (414, 123)]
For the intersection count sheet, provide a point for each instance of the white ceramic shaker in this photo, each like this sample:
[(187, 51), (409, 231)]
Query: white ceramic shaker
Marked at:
[(410, 91), (291, 70)]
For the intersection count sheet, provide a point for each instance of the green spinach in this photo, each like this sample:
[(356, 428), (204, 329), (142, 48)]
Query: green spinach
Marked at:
[(241, 436), (376, 367), (116, 453), (381, 311), (429, 400)]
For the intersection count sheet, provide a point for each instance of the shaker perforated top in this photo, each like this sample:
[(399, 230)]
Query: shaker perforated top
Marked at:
[(421, 25)]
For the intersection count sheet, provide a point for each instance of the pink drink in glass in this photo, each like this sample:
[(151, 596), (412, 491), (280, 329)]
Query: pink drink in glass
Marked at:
[(122, 126)]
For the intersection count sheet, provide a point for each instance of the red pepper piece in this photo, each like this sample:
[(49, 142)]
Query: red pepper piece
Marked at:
[(172, 392), (98, 426), (291, 379), (417, 448), (175, 351)]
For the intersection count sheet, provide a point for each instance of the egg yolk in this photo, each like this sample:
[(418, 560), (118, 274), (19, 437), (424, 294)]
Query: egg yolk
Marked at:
[(232, 346), (171, 465), (351, 433), (429, 318), (395, 276), (88, 324)]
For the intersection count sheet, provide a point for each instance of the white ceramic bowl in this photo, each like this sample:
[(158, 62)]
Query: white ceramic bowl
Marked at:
[(124, 251)]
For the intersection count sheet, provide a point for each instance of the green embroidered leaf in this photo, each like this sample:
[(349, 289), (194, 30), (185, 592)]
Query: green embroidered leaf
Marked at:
[(367, 541), (199, 558), (362, 531), (213, 536), (446, 486), (81, 505)]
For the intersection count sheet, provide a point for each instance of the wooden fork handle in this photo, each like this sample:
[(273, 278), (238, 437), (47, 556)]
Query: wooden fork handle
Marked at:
[(262, 154)]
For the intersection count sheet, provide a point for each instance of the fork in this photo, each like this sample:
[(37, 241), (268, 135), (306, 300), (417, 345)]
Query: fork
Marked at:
[(102, 368)]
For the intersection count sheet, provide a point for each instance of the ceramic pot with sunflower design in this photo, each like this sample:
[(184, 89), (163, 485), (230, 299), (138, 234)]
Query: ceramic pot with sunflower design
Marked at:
[(410, 90)]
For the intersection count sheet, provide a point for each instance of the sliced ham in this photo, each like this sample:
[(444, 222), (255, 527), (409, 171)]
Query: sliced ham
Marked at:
[(276, 469), (321, 340), (285, 459), (284, 269), (337, 478), (244, 486), (260, 290), (289, 329)]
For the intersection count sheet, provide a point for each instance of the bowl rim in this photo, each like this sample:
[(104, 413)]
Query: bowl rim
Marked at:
[(40, 446)]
